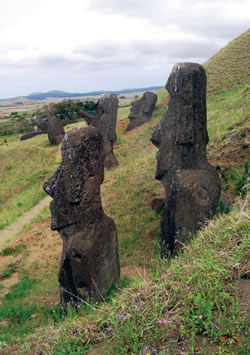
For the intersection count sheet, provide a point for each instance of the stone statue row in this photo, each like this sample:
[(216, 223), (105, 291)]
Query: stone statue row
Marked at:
[(90, 259), (105, 119)]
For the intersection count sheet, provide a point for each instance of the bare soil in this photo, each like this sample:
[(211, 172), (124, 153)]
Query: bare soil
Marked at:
[(10, 233)]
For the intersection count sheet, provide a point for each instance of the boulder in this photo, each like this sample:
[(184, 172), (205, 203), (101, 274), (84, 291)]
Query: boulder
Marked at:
[(55, 131), (105, 119), (141, 110), (192, 185), (90, 261)]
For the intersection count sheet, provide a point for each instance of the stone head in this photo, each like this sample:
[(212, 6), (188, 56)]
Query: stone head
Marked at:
[(108, 103), (143, 106), (181, 136), (75, 186)]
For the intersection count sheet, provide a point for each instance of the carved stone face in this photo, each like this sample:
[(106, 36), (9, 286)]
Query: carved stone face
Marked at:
[(75, 186), (144, 106), (181, 136)]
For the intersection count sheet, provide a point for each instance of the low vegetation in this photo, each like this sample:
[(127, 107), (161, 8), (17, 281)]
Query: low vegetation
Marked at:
[(24, 122), (23, 170), (67, 110), (229, 68)]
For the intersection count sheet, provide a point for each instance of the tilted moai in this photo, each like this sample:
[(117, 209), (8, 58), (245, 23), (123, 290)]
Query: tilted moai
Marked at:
[(90, 261), (105, 119), (55, 131), (191, 184), (141, 110)]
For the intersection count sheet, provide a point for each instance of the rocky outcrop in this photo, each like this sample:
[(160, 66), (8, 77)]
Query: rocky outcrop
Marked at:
[(191, 184), (29, 135), (105, 119), (141, 110), (55, 131), (90, 262)]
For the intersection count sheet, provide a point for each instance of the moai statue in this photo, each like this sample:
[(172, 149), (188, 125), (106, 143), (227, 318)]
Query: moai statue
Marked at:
[(141, 110), (90, 261), (105, 119), (55, 131), (191, 184)]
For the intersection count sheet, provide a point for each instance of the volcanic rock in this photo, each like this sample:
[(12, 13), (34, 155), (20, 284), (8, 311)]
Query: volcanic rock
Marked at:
[(90, 261), (105, 119), (141, 110), (191, 184), (55, 131)]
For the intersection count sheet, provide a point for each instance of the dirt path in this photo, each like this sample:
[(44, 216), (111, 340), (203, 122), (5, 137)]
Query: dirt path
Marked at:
[(10, 232)]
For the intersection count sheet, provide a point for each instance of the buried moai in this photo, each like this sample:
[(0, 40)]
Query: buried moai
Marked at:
[(105, 119), (191, 184), (141, 110), (90, 261), (55, 131)]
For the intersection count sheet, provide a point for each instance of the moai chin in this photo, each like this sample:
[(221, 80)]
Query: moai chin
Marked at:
[(141, 110), (90, 261), (105, 119), (191, 184)]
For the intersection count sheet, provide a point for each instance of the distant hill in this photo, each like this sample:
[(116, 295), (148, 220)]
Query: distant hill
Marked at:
[(229, 67), (63, 94)]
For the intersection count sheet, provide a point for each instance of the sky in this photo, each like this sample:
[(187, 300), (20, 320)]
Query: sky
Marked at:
[(86, 45)]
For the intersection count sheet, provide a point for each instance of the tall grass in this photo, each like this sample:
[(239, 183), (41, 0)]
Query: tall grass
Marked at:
[(191, 297)]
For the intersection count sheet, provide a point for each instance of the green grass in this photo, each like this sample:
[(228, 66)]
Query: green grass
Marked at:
[(123, 113), (229, 68), (194, 295), (227, 112), (23, 169)]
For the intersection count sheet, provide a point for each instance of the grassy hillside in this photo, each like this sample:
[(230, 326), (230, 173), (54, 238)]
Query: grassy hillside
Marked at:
[(23, 169), (195, 303), (230, 67)]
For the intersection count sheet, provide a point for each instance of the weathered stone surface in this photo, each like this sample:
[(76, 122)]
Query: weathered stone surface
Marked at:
[(55, 131), (29, 135), (105, 119), (191, 184), (141, 110), (158, 203), (90, 261)]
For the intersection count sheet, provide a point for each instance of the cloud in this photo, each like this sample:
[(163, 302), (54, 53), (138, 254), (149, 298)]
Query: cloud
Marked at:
[(212, 18), (110, 44), (141, 52)]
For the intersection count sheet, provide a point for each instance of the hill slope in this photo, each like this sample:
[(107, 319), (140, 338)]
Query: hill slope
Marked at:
[(230, 67)]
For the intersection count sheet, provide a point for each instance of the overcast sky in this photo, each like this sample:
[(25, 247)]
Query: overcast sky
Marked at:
[(85, 45)]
